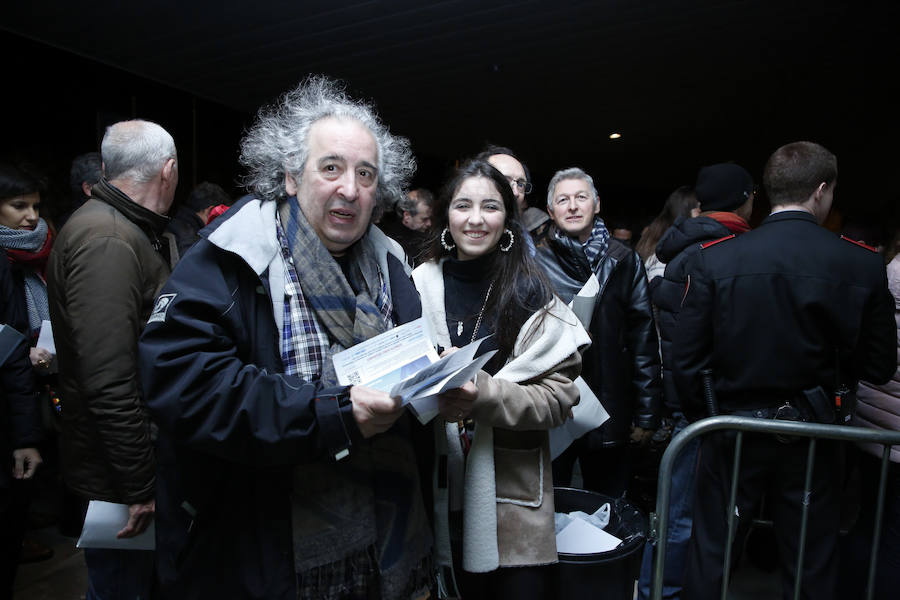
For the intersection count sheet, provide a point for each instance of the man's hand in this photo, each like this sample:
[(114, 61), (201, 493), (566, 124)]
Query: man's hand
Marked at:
[(374, 411), (456, 405), (139, 518), (25, 462)]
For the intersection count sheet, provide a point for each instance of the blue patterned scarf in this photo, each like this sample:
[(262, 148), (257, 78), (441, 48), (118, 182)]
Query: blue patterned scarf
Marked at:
[(596, 246)]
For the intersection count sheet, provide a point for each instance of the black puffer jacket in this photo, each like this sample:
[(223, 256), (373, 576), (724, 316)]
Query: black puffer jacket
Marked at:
[(20, 424), (185, 226), (622, 365), (678, 249)]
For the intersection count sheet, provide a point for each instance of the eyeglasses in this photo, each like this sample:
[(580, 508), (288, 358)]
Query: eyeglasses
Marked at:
[(520, 184)]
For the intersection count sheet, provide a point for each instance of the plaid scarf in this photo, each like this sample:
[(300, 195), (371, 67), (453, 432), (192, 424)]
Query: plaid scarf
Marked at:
[(303, 343), (340, 318), (29, 249)]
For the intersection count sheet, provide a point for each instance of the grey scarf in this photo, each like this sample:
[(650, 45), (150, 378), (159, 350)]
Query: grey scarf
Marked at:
[(35, 288)]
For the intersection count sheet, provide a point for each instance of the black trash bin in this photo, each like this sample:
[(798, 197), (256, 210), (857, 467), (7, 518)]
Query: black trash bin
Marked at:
[(603, 575)]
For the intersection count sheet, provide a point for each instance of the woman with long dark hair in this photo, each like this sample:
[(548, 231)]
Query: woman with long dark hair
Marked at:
[(680, 203), (494, 502)]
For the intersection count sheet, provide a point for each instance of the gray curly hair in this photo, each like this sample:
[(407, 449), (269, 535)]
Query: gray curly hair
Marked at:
[(279, 140)]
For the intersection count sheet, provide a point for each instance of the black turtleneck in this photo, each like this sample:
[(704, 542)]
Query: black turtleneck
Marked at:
[(466, 284)]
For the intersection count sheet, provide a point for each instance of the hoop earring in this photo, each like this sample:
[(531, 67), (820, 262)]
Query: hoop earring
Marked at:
[(512, 239), (447, 247)]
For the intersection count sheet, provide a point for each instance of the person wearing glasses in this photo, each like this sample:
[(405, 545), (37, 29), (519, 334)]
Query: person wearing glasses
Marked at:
[(534, 220), (622, 366)]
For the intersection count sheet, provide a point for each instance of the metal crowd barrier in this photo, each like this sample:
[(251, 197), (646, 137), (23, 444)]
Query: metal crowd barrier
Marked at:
[(659, 521)]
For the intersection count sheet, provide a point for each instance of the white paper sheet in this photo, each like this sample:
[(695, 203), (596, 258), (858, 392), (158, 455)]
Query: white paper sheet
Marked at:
[(580, 537), (425, 403), (46, 341), (386, 359), (421, 375), (104, 520), (583, 302), (588, 414)]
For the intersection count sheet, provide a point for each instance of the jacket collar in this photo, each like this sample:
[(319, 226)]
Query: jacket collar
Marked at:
[(229, 232), (248, 230), (150, 222), (685, 232), (790, 215)]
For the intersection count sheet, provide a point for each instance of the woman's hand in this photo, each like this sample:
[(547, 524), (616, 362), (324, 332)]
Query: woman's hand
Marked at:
[(456, 405), (40, 358), (25, 462)]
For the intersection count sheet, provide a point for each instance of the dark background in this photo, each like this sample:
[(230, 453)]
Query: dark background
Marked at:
[(685, 83)]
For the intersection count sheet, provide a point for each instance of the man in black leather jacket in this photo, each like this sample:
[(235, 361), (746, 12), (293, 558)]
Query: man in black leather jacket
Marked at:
[(622, 365)]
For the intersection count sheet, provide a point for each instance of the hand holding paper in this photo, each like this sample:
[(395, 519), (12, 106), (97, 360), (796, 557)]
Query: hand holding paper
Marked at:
[(105, 522), (403, 364), (374, 411), (456, 404), (140, 516), (43, 355)]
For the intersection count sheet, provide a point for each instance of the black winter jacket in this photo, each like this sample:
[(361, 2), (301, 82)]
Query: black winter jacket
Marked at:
[(678, 248), (768, 311), (622, 364), (232, 426), (185, 226), (20, 424)]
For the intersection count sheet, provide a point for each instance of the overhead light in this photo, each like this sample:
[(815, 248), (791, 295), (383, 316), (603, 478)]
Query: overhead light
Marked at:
[(615, 136)]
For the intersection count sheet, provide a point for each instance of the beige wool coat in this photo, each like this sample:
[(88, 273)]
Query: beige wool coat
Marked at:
[(505, 485)]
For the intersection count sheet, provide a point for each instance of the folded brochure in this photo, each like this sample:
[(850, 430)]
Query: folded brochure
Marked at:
[(403, 363)]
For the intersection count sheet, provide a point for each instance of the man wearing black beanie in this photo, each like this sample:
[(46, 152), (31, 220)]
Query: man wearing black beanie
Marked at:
[(726, 193)]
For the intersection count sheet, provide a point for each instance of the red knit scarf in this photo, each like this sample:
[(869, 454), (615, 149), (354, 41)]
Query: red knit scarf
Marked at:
[(37, 261), (734, 223)]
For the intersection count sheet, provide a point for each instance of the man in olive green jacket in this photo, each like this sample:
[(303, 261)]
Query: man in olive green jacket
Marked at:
[(104, 273)]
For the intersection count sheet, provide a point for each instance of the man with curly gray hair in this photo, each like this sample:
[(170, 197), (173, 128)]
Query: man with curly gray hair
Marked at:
[(275, 480)]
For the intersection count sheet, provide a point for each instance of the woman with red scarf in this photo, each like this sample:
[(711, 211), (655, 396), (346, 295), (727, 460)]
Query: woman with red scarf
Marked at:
[(25, 244), (26, 239)]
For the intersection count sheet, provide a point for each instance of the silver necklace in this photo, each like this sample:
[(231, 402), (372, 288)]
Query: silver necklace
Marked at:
[(459, 324)]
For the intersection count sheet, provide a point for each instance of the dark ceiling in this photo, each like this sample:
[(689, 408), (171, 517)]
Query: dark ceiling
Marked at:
[(685, 83)]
